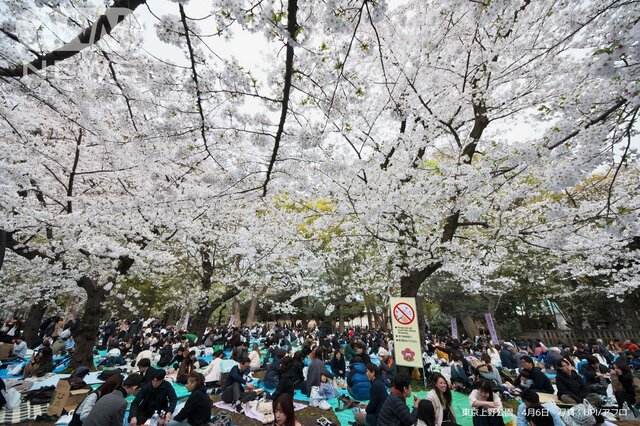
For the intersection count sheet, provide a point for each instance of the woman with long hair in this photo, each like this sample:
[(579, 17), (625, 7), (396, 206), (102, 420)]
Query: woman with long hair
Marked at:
[(112, 383), (254, 357), (426, 413), (40, 364), (286, 379), (626, 387), (283, 411), (440, 397), (486, 405), (186, 368)]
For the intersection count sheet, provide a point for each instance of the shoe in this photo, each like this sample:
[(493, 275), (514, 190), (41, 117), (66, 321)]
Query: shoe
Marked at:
[(239, 407)]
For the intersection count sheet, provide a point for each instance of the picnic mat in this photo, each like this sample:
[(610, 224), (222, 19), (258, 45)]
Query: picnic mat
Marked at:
[(23, 412), (250, 413), (460, 402)]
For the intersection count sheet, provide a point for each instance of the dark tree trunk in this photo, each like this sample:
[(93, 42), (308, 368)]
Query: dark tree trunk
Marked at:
[(369, 317), (89, 324), (222, 308), (470, 326), (32, 323), (340, 319), (235, 313), (409, 286), (251, 315), (380, 324), (206, 309)]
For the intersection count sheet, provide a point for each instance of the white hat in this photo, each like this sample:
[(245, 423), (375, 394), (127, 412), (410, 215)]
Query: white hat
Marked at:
[(383, 352)]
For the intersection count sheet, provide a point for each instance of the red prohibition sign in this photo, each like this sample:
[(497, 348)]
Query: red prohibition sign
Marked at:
[(404, 313)]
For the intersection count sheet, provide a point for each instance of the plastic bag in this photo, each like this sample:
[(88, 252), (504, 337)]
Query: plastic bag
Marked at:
[(13, 398)]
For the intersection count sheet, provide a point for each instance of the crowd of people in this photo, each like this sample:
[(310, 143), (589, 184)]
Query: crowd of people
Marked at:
[(359, 360)]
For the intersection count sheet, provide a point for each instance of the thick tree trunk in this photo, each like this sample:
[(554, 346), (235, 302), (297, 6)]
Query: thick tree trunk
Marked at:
[(32, 323), (469, 326), (369, 317), (206, 309), (251, 315), (88, 324), (340, 319), (380, 324), (409, 286), (222, 308), (235, 313)]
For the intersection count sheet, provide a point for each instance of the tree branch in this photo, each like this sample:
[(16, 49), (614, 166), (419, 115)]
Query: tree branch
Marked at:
[(90, 35), (292, 28), (72, 174)]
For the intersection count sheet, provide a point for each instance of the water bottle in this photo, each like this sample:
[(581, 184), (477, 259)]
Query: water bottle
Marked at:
[(154, 419)]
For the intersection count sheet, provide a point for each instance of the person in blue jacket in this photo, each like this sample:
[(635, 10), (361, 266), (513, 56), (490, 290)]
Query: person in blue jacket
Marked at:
[(379, 394), (358, 383)]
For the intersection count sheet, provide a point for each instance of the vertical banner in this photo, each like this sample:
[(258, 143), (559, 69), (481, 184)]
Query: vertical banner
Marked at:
[(492, 328), (406, 332), (454, 328)]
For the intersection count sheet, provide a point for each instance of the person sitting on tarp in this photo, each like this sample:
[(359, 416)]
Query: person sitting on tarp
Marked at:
[(338, 364), (213, 371), (508, 357), (146, 370), (110, 409), (530, 411), (178, 358), (358, 383), (187, 366), (378, 396), (540, 382), (236, 389), (272, 375), (166, 353), (316, 369), (458, 374), (80, 414), (388, 367), (394, 411), (113, 358), (158, 396), (40, 364), (287, 378)]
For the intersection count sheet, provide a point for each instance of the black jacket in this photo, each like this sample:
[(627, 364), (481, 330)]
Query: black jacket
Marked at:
[(378, 397), (166, 355), (508, 359), (395, 412), (197, 410), (338, 365), (235, 375), (590, 373), (298, 372), (148, 375), (150, 399), (541, 382), (572, 386), (285, 385)]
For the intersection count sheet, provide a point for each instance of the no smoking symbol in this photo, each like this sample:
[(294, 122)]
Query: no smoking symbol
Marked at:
[(404, 313)]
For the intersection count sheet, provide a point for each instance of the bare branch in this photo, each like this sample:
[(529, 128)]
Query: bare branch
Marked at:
[(90, 35), (292, 28)]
